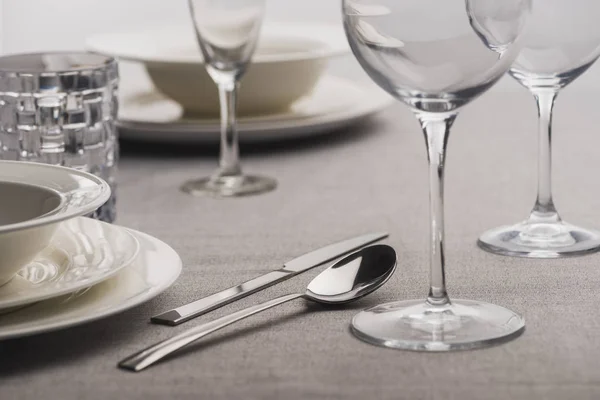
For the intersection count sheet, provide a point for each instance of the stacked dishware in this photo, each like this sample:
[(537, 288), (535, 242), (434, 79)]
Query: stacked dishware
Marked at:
[(59, 268), (287, 92)]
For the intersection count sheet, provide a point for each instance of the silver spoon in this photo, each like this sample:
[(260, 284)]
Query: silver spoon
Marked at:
[(347, 280)]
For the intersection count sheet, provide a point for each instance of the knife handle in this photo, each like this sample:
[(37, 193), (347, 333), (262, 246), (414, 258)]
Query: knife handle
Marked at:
[(184, 313)]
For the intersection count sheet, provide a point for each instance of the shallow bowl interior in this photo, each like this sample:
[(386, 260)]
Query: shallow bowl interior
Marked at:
[(21, 202)]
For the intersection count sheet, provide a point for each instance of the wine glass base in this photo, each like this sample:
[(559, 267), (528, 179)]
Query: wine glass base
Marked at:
[(229, 186), (540, 240), (418, 326)]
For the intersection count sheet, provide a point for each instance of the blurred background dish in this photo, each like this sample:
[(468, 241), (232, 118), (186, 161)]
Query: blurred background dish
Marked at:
[(335, 103), (287, 65)]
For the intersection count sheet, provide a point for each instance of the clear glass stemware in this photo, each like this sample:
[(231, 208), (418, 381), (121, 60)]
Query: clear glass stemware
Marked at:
[(561, 43), (436, 56), (227, 33)]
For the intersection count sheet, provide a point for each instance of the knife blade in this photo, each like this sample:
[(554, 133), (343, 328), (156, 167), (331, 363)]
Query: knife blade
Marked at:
[(291, 268)]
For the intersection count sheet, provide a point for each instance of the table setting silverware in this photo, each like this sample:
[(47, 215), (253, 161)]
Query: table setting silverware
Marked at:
[(60, 108), (349, 279), (290, 269), (500, 327)]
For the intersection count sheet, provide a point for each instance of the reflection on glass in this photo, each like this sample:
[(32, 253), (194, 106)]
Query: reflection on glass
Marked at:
[(562, 42), (436, 56), (227, 33)]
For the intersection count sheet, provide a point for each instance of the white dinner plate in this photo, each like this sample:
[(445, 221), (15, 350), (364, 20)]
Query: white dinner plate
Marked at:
[(154, 269), (335, 103), (80, 255)]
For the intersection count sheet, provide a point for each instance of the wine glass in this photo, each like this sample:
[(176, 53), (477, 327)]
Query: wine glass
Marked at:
[(227, 32), (562, 41), (436, 56)]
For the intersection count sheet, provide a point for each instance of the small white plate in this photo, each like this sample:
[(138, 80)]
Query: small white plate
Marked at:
[(335, 103), (156, 267), (79, 256)]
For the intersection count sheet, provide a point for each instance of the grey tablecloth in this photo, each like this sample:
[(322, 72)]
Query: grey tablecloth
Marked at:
[(370, 178)]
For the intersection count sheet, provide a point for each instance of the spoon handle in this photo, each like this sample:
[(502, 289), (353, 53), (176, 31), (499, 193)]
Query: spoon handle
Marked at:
[(143, 359)]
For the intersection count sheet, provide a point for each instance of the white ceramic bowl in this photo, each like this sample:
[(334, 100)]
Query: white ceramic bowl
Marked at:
[(288, 62), (35, 198)]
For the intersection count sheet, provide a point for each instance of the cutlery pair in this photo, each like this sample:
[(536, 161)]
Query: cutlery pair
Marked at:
[(349, 279), (290, 269)]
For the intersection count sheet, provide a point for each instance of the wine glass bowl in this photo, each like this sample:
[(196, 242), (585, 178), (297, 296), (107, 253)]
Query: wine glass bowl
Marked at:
[(227, 33), (436, 56), (433, 70), (561, 42)]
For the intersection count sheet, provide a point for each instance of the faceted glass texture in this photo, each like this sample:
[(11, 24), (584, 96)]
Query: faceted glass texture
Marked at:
[(61, 108)]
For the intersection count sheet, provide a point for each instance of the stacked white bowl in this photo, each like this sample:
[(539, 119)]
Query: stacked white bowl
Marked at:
[(35, 199)]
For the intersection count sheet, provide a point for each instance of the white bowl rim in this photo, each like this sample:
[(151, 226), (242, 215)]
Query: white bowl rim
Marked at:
[(66, 210), (138, 45)]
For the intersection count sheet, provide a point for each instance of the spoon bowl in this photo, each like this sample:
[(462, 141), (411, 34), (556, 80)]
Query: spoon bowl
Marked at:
[(349, 279), (354, 276)]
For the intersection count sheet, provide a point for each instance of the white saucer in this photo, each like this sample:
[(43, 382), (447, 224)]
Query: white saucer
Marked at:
[(335, 103), (155, 268), (80, 255)]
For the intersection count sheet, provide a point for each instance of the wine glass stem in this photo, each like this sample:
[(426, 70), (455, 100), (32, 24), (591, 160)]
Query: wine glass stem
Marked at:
[(544, 210), (229, 162), (436, 128)]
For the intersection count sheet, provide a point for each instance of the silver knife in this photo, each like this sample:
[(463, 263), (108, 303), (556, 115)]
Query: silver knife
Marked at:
[(291, 268)]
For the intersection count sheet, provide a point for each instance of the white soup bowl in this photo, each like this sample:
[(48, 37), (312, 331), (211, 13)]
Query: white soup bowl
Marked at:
[(289, 60)]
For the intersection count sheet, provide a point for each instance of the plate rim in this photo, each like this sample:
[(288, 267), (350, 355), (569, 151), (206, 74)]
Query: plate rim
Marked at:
[(140, 298), (332, 35), (378, 100), (129, 259)]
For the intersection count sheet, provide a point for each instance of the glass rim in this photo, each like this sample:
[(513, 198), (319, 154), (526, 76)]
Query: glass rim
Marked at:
[(16, 63)]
